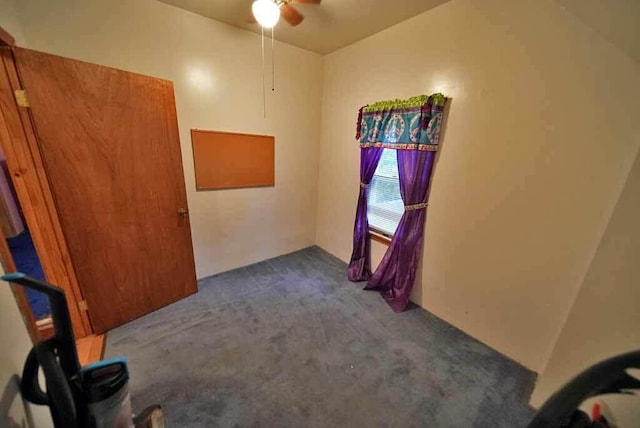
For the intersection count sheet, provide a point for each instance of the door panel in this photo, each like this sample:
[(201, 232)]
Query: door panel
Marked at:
[(110, 144)]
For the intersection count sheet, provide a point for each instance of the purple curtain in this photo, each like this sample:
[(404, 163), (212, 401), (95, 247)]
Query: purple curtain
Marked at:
[(360, 264), (396, 273)]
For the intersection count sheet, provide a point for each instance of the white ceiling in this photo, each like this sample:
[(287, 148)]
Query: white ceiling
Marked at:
[(327, 27)]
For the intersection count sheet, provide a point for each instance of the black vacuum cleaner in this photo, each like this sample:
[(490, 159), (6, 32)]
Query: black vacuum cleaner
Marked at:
[(94, 396)]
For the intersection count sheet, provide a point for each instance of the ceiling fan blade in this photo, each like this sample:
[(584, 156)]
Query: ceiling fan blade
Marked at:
[(290, 14), (306, 1)]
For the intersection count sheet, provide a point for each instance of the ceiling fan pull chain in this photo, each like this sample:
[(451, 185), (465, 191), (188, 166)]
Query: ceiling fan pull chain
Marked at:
[(273, 60)]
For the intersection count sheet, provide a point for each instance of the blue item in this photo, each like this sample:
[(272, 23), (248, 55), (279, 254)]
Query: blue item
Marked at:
[(26, 259)]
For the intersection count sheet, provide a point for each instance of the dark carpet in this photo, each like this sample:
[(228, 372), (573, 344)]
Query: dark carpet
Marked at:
[(289, 342), (26, 259)]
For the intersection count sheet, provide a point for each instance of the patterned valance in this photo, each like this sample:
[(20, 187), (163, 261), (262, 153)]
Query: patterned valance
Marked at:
[(412, 124)]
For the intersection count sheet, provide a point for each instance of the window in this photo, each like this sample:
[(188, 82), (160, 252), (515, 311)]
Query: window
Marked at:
[(385, 203)]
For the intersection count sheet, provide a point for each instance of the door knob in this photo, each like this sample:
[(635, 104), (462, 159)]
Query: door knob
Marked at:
[(182, 212)]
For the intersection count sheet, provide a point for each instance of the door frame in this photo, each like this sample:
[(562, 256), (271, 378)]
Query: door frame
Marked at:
[(18, 139)]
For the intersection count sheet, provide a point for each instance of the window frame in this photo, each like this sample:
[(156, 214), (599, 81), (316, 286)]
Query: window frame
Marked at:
[(379, 236)]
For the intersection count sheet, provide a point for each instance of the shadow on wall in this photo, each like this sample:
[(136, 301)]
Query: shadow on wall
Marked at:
[(14, 410)]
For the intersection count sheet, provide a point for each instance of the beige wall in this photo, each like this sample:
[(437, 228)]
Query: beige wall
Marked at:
[(216, 72), (541, 134), (605, 318), (9, 20)]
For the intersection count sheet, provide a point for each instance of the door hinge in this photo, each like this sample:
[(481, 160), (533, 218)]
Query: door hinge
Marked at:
[(21, 98), (82, 304)]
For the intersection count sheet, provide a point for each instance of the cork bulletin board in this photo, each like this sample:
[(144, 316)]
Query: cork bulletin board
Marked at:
[(227, 160)]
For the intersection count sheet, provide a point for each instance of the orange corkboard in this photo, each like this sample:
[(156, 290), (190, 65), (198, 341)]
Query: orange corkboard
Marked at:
[(226, 160)]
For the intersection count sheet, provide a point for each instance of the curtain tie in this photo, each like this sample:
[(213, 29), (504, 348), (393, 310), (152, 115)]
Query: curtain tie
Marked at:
[(414, 207), (363, 185)]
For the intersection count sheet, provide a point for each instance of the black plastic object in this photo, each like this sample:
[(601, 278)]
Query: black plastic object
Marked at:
[(65, 341), (30, 386), (103, 379), (58, 359), (607, 377), (60, 397)]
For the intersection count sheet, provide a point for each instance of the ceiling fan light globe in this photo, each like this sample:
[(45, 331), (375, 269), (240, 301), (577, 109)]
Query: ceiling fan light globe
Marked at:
[(266, 12)]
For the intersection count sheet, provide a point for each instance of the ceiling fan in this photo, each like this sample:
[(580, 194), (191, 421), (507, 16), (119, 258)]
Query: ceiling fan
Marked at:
[(267, 12)]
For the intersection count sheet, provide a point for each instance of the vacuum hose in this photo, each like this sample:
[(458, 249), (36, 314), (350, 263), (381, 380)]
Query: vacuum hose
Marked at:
[(58, 396)]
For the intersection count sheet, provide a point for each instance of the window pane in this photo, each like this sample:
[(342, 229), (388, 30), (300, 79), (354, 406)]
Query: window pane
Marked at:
[(385, 203), (388, 165)]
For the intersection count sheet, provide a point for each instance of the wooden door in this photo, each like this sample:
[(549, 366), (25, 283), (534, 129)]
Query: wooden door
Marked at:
[(110, 144)]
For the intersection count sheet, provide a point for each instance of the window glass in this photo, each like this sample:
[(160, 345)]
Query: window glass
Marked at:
[(385, 203)]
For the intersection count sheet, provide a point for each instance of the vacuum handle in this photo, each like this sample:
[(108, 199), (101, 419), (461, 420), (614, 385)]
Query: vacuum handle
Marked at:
[(65, 340)]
